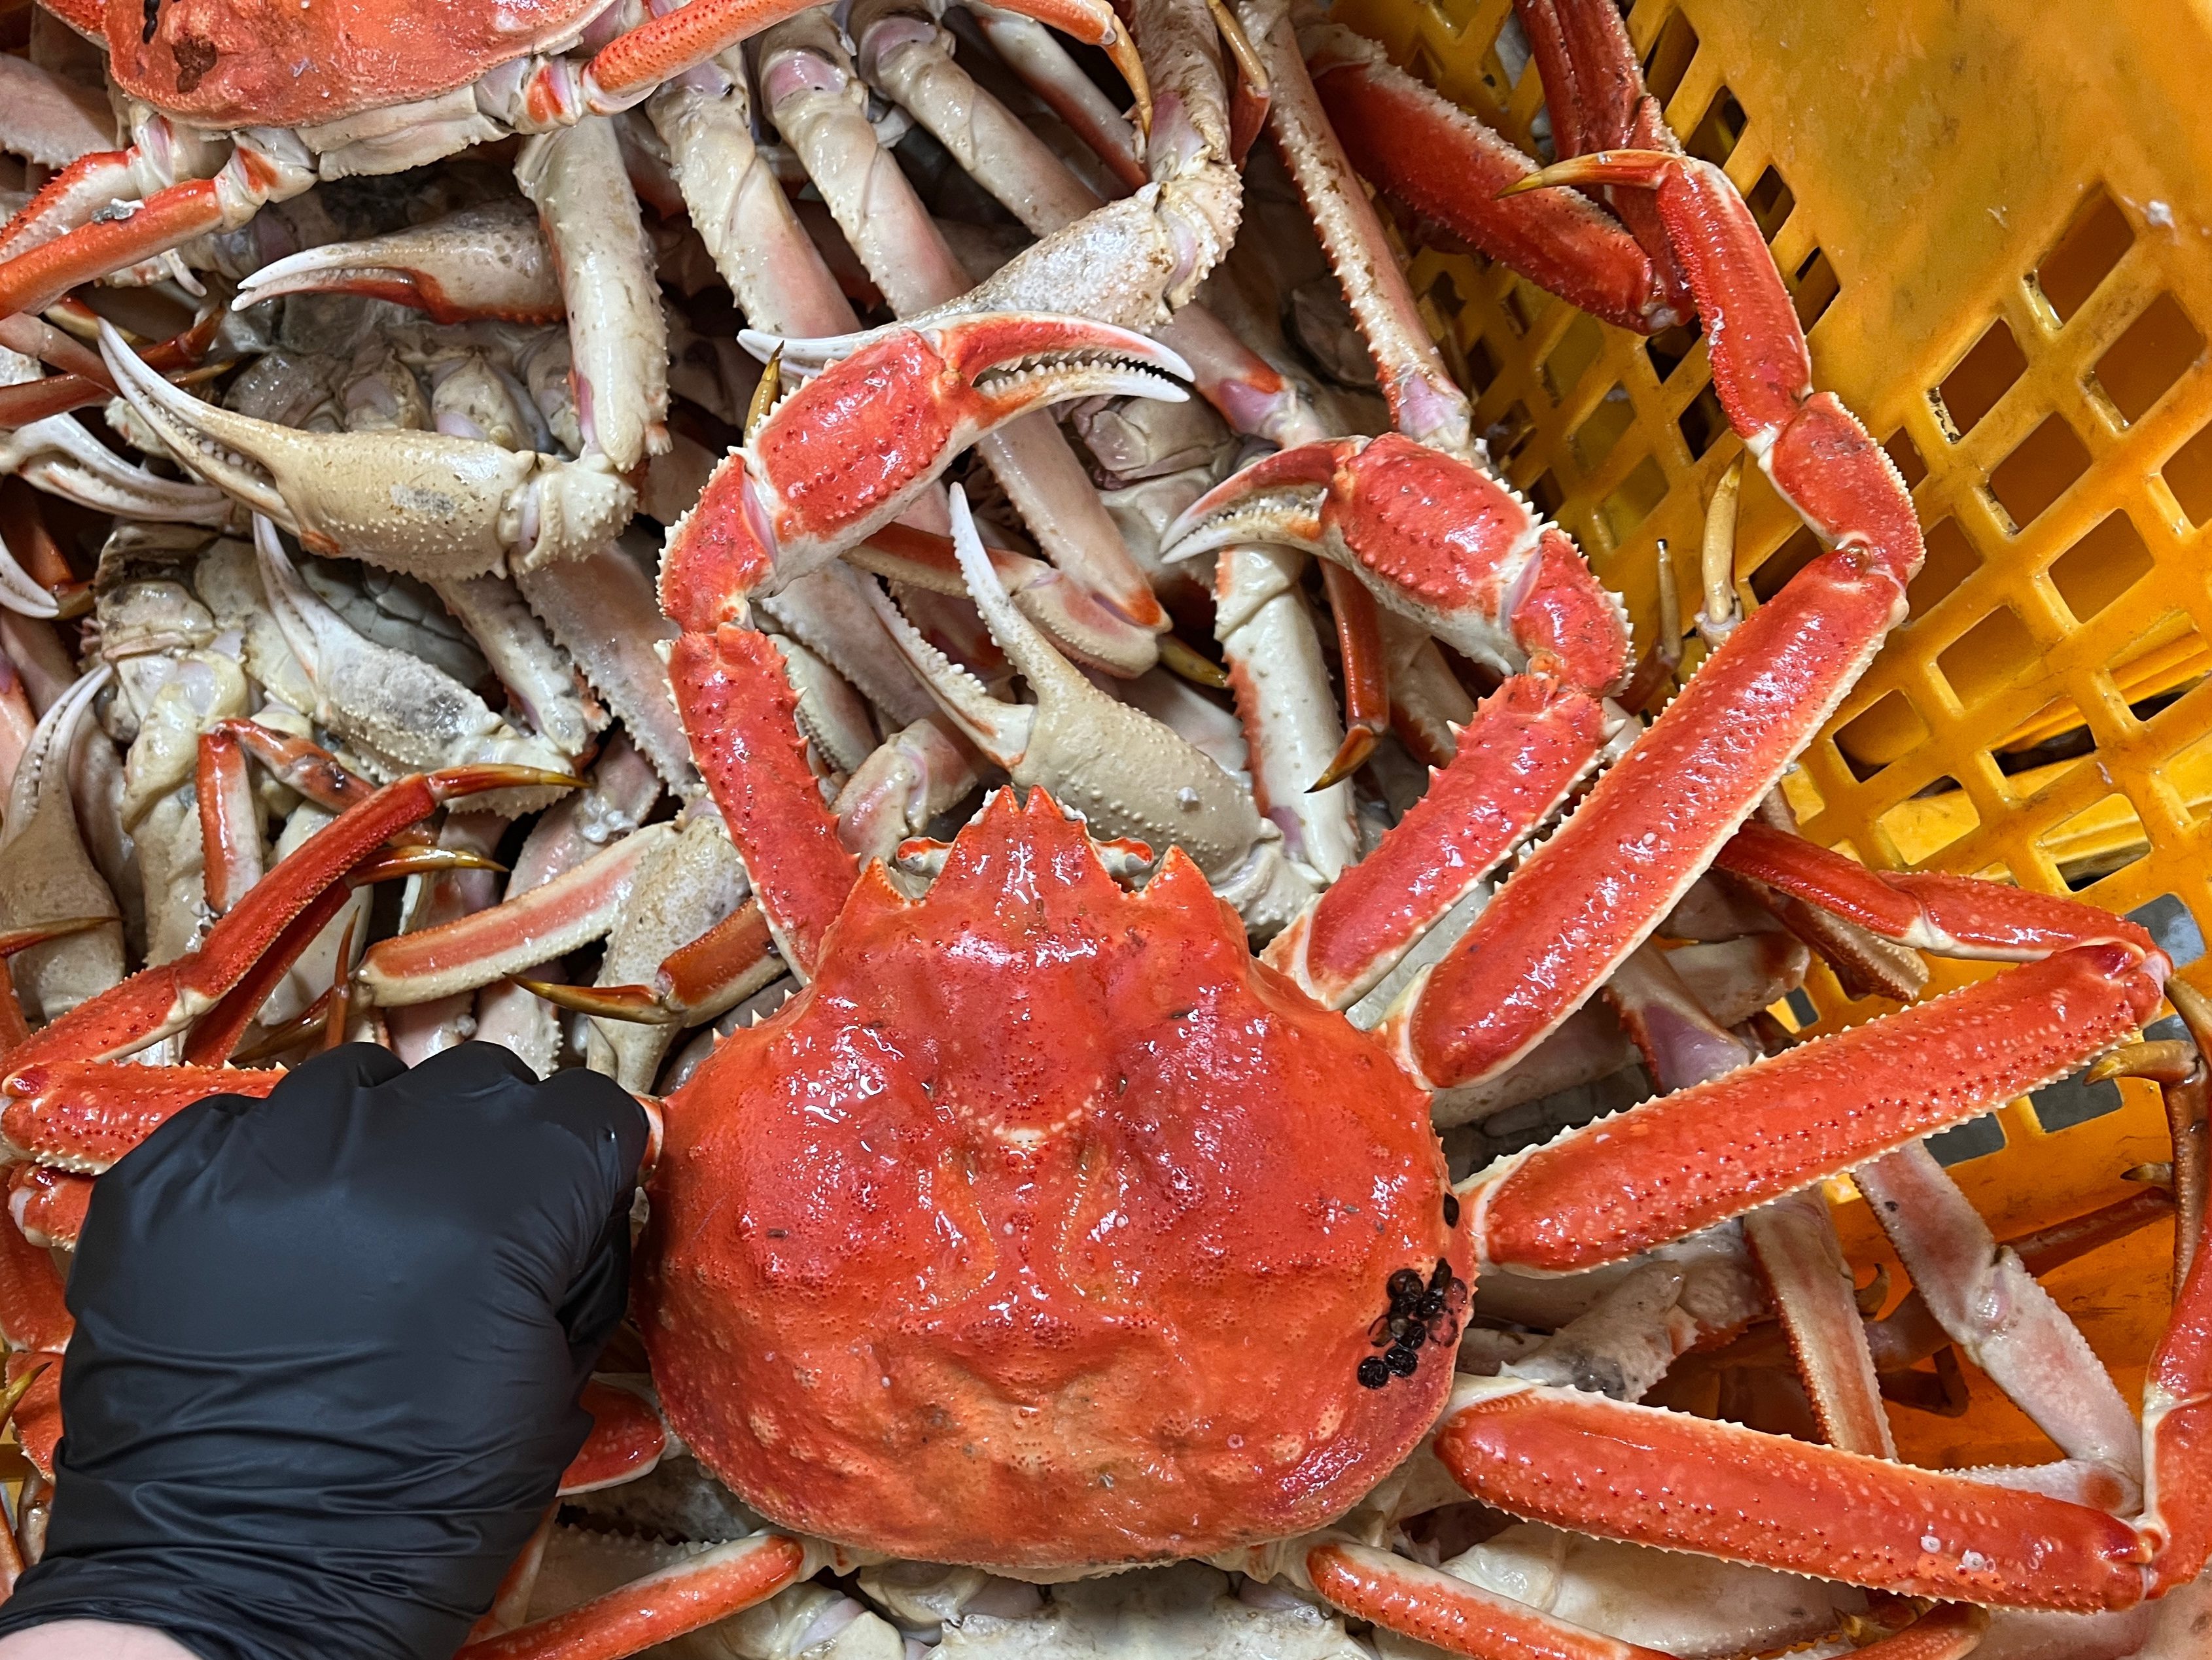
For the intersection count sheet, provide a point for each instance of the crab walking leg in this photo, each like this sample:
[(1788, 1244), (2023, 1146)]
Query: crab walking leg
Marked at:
[(1043, 65), (1791, 1239), (1668, 1167), (45, 873), (1932, 911), (811, 97), (660, 1606), (69, 243), (1459, 1617), (158, 1001), (486, 262), (618, 336), (738, 208), (1446, 165), (558, 916), (230, 820), (1987, 1302)]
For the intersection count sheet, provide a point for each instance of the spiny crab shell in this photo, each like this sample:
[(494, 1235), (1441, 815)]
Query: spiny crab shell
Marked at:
[(1046, 1230)]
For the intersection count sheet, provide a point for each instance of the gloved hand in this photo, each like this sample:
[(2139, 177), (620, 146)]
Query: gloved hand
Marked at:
[(328, 1353)]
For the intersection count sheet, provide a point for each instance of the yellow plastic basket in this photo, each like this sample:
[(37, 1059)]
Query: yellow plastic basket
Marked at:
[(1997, 222)]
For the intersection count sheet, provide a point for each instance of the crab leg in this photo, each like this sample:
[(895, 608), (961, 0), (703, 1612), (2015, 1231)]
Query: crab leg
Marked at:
[(67, 244), (1458, 1617), (158, 1001), (1987, 1302), (788, 503), (808, 87), (740, 211), (421, 502), (1043, 65), (597, 237), (660, 1606), (557, 917), (490, 262)]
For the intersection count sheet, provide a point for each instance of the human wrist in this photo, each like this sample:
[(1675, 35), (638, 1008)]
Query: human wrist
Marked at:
[(92, 1639)]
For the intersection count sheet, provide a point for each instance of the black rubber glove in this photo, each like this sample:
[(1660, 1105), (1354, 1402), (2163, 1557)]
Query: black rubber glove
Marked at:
[(328, 1352)]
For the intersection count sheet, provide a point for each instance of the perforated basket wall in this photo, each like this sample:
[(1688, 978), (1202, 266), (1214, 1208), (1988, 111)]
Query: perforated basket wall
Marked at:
[(1997, 223)]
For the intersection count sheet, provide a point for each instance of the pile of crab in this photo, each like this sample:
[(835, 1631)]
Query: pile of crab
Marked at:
[(557, 522)]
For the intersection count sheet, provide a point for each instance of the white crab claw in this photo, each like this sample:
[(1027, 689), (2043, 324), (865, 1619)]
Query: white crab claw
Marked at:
[(58, 455), (1125, 773), (488, 262), (424, 503)]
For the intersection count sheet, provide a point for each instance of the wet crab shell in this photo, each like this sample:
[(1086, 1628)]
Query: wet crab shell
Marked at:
[(1046, 1229), (228, 64)]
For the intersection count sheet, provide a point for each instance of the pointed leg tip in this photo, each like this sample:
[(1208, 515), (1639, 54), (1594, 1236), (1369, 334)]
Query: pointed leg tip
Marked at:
[(636, 1003), (1190, 663), (478, 777), (1358, 744)]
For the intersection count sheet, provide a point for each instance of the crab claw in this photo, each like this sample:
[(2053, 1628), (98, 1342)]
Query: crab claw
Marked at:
[(59, 456), (423, 502), (1437, 539), (1128, 773), (488, 262), (1079, 623), (852, 449)]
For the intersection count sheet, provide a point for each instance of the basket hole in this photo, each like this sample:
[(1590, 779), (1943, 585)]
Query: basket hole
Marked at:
[(2035, 475), (1983, 376), (2189, 770), (2163, 662), (1951, 559), (1632, 500), (1668, 60), (1770, 201), (1511, 50), (1670, 345), (1579, 347), (1482, 365), (1905, 454), (1783, 563), (2138, 367), (1702, 421), (1594, 439), (1977, 1138), (1547, 495), (1818, 285), (1884, 731), (2056, 732), (1925, 824), (2188, 474), (1506, 434), (2073, 1101), (1988, 657), (1520, 305), (2101, 567), (1802, 1010), (2171, 928), (2084, 256), (1716, 137), (2103, 836)]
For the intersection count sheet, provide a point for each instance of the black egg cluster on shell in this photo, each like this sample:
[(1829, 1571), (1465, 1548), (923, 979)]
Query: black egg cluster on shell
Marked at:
[(1422, 1311)]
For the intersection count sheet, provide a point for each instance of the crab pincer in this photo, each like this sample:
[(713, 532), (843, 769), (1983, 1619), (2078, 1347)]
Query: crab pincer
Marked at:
[(432, 506)]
